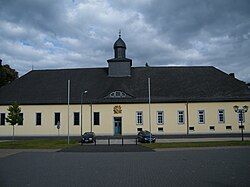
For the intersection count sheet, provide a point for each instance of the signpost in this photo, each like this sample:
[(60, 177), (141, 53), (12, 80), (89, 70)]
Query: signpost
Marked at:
[(58, 125)]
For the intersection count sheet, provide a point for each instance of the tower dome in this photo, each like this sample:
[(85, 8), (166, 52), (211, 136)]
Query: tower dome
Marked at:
[(119, 43), (119, 66), (120, 47)]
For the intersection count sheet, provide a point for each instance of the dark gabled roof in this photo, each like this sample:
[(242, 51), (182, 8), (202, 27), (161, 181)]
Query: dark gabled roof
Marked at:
[(168, 84)]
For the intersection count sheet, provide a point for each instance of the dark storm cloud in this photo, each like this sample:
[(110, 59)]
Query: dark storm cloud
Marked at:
[(218, 30), (184, 20), (42, 15), (67, 34)]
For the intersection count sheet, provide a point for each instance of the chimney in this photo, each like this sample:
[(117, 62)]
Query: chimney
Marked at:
[(231, 75)]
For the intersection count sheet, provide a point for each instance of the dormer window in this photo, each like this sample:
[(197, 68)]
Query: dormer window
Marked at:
[(117, 94)]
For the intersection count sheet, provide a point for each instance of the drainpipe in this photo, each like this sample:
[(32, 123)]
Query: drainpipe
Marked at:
[(91, 118), (187, 118)]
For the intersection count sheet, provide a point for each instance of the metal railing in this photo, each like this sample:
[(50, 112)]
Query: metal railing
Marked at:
[(115, 141)]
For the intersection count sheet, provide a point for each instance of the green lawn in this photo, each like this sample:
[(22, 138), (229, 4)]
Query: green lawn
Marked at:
[(38, 144), (63, 143), (197, 144)]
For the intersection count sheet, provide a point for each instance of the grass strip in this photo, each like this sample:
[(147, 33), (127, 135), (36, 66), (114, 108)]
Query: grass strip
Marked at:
[(38, 144), (197, 144)]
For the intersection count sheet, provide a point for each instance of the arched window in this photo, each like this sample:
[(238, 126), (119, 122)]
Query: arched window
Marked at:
[(117, 94)]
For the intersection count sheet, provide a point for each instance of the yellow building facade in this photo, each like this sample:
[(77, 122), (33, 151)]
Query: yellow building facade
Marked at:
[(123, 100), (166, 123)]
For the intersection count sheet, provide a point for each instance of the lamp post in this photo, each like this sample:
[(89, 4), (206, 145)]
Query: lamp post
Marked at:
[(241, 112), (149, 108), (84, 92)]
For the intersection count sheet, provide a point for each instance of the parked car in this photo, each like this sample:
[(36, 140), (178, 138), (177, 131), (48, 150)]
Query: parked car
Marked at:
[(146, 137), (88, 137)]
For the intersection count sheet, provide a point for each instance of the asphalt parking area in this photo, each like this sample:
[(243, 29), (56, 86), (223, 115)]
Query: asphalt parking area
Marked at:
[(206, 168), (107, 148)]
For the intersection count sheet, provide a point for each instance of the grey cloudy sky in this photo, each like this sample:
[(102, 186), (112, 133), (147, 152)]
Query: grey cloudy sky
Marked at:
[(80, 33)]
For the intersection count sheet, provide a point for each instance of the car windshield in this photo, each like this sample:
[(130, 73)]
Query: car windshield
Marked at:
[(88, 134), (147, 134)]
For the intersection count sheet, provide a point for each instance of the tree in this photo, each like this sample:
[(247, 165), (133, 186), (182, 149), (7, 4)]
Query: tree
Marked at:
[(14, 116), (7, 74)]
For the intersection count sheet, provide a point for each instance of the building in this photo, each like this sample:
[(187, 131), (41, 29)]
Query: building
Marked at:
[(121, 100)]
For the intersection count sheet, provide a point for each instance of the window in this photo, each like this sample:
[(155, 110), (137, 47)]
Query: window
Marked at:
[(241, 116), (180, 117), (2, 119), (191, 128), (160, 118), (57, 118), (212, 128), (242, 127), (21, 122), (118, 94), (96, 118), (38, 118), (160, 129), (76, 118), (139, 129), (221, 116), (201, 116), (228, 127), (139, 118), (119, 52)]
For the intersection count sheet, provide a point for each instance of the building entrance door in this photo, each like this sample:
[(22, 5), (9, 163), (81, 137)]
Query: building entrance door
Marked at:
[(118, 125)]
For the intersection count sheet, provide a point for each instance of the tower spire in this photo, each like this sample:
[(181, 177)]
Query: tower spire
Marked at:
[(120, 33)]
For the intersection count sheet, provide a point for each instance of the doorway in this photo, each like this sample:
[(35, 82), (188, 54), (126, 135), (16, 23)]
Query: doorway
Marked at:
[(118, 125)]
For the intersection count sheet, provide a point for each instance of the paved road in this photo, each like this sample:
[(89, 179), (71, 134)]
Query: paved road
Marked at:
[(169, 136), (206, 167), (106, 148), (128, 140), (168, 140), (9, 152)]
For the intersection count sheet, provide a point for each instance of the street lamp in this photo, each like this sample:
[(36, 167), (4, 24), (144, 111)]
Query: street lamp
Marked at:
[(241, 112), (84, 92)]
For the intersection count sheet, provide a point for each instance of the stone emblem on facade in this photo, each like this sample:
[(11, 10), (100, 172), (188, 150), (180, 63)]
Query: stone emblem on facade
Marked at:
[(117, 109)]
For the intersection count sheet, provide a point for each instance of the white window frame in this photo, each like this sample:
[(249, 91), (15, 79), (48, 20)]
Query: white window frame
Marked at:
[(74, 119), (37, 118), (2, 124), (55, 122), (22, 122), (201, 115), (221, 113), (160, 117), (117, 94), (139, 117), (243, 116), (99, 118), (179, 114)]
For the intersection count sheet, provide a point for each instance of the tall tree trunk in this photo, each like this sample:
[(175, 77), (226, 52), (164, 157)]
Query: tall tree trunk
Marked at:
[(13, 134)]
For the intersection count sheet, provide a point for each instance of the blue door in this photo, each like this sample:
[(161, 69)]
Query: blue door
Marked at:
[(118, 125)]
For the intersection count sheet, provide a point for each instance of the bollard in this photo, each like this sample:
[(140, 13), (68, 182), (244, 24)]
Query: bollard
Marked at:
[(136, 141), (95, 142), (108, 141), (122, 141)]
